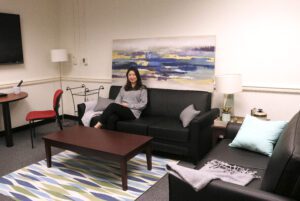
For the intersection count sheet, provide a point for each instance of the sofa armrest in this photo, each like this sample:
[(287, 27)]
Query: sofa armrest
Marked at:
[(84, 107), (231, 130), (206, 118), (201, 134), (81, 111), (218, 190)]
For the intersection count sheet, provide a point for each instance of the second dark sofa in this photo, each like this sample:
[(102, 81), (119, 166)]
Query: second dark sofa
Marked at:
[(280, 173), (161, 120)]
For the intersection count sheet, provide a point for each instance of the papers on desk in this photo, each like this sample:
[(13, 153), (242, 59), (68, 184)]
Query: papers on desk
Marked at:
[(3, 94)]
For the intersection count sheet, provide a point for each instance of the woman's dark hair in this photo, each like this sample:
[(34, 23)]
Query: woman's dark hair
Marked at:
[(138, 81)]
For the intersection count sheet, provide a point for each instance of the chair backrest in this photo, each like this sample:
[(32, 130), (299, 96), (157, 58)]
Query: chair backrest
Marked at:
[(282, 175), (56, 99)]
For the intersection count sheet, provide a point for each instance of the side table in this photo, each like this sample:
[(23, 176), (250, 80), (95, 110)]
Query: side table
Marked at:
[(219, 128), (4, 101), (218, 131)]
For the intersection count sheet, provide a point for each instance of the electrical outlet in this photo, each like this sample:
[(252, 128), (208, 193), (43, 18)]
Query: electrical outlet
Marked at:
[(84, 61), (74, 61)]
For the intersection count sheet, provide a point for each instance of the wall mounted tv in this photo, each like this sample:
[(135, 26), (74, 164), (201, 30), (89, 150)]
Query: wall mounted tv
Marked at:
[(11, 51)]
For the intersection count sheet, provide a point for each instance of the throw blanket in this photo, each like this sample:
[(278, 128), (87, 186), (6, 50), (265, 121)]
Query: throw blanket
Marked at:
[(89, 112), (214, 169)]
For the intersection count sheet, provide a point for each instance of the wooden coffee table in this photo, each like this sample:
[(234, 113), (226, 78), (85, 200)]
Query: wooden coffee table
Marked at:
[(113, 145)]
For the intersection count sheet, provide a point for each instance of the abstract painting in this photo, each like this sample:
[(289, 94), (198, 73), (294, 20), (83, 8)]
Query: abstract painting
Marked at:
[(173, 63)]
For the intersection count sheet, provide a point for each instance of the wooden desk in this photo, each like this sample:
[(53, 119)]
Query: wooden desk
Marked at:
[(6, 114)]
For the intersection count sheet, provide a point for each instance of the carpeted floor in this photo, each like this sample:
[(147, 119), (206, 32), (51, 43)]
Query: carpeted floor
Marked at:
[(81, 177), (21, 155)]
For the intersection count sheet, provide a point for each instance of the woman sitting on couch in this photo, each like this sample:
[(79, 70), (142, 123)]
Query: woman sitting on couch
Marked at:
[(130, 102)]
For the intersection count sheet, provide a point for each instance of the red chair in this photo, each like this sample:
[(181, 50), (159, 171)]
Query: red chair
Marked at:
[(45, 114)]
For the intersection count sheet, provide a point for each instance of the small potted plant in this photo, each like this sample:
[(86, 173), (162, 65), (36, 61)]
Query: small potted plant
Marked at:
[(226, 114)]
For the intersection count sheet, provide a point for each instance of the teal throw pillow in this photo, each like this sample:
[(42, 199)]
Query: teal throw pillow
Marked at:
[(258, 135)]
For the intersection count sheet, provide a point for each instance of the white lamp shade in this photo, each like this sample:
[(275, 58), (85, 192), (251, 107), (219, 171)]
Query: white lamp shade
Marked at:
[(59, 55), (228, 84)]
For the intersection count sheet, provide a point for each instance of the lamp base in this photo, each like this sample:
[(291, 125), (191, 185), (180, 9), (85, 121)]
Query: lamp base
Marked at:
[(228, 101), (228, 104), (226, 117)]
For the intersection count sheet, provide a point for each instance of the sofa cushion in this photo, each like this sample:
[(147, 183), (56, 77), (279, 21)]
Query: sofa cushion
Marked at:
[(137, 126), (167, 147), (102, 104), (258, 135), (243, 158), (170, 103), (188, 114), (283, 172), (114, 91), (169, 129)]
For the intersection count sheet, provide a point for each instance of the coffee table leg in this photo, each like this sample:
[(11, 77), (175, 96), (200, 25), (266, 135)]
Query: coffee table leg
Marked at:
[(48, 153), (148, 156), (124, 174)]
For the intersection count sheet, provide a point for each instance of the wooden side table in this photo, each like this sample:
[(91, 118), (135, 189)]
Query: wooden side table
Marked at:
[(6, 114), (219, 128), (218, 131)]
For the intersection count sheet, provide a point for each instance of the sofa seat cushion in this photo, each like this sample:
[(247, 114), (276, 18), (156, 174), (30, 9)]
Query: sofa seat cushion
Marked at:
[(137, 126), (170, 147), (169, 129), (239, 157)]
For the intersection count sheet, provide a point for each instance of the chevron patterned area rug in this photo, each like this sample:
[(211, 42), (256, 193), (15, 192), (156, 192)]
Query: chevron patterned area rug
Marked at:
[(80, 178)]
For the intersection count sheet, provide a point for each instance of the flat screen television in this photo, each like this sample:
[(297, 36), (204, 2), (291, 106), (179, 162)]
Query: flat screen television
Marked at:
[(11, 51)]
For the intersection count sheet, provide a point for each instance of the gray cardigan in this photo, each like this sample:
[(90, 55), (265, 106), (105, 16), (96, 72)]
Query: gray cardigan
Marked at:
[(136, 100)]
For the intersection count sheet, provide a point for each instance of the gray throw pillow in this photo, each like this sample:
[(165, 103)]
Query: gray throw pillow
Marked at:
[(102, 104), (188, 114)]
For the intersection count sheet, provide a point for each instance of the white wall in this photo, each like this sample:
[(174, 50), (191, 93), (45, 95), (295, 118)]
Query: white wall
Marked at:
[(259, 39), (40, 34), (39, 27)]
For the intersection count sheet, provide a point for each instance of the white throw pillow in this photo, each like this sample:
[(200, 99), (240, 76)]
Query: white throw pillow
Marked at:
[(188, 114)]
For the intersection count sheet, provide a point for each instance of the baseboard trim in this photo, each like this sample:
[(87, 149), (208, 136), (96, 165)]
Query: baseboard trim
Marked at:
[(26, 126), (39, 123), (71, 117)]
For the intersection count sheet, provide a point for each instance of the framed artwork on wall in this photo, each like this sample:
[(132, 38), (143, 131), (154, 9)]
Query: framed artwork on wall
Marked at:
[(174, 63)]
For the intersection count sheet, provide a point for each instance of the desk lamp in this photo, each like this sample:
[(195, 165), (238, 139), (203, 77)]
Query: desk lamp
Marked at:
[(228, 84)]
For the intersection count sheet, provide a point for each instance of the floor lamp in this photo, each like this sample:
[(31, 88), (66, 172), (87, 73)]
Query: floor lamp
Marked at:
[(228, 85), (60, 56)]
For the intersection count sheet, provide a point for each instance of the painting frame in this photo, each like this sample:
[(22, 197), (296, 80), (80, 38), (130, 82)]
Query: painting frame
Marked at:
[(186, 62)]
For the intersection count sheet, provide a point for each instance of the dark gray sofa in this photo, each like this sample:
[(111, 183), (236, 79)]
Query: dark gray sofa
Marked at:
[(160, 119), (280, 173)]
